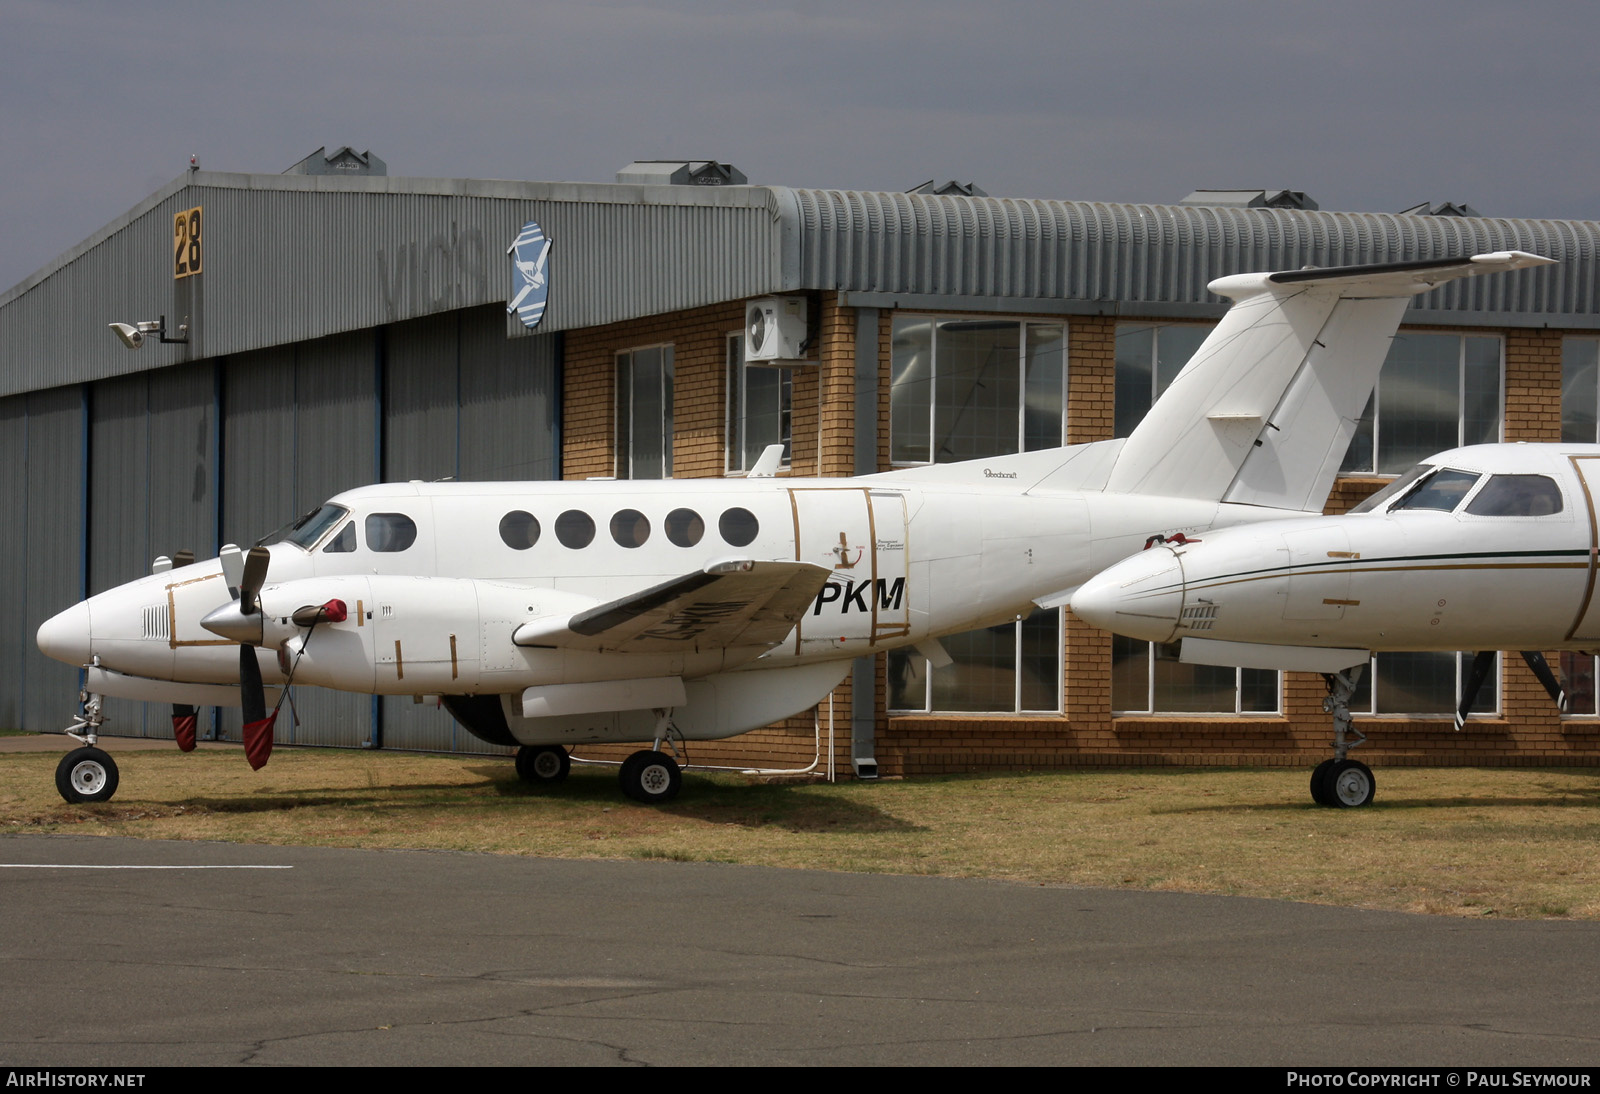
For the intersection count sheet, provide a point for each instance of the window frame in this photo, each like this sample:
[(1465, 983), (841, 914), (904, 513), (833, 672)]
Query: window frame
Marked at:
[(1016, 709), (1023, 322), (1372, 425), (1369, 680), (623, 366), (736, 390), (1150, 709), (1157, 386)]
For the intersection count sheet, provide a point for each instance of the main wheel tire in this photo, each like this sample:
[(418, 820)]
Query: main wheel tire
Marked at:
[(86, 775), (1319, 783), (651, 777), (1350, 784), (543, 764)]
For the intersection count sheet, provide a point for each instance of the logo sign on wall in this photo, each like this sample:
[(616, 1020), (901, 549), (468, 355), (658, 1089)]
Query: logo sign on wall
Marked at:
[(530, 285)]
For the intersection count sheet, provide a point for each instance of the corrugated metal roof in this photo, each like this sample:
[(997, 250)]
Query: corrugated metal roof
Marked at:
[(1120, 254), (290, 258)]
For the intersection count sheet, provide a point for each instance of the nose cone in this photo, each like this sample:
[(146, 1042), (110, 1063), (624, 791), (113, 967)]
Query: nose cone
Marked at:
[(234, 625), (1141, 596), (67, 636)]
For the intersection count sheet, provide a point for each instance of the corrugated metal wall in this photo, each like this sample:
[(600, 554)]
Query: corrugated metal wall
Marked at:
[(297, 424), (53, 542), (16, 636)]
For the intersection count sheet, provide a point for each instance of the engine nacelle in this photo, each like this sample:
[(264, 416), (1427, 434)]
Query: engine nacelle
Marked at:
[(407, 635)]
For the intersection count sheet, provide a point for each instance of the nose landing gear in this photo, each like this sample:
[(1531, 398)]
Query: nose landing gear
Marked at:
[(86, 774), (1343, 783)]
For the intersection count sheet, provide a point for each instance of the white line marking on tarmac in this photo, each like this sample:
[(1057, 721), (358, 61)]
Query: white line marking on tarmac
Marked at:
[(80, 866)]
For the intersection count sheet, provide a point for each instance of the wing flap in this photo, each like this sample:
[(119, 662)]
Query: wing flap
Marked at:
[(731, 603)]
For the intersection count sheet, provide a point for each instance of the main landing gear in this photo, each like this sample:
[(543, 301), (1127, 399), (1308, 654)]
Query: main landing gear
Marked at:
[(86, 774), (650, 775), (543, 765), (1343, 783)]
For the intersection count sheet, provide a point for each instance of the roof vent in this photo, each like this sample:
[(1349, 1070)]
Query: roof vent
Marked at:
[(346, 161), (948, 187), (682, 173), (1253, 199), (1442, 209)]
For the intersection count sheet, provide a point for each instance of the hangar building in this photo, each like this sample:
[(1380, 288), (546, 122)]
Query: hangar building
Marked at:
[(344, 326)]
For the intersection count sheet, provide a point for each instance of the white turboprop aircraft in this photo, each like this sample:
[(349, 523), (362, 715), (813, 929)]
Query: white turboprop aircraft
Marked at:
[(1491, 547), (552, 613)]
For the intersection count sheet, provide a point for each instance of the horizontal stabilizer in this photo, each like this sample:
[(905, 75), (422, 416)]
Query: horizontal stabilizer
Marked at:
[(731, 603), (1264, 409)]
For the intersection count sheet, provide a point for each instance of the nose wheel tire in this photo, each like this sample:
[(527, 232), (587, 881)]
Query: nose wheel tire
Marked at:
[(1348, 784), (1319, 782), (86, 775), (543, 765), (651, 777)]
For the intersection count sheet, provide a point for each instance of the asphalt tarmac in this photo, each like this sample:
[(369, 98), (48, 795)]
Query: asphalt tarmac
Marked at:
[(132, 952)]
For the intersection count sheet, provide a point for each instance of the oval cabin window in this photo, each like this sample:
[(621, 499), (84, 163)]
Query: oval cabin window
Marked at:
[(390, 532), (738, 527), (630, 528), (684, 527), (575, 529), (519, 530)]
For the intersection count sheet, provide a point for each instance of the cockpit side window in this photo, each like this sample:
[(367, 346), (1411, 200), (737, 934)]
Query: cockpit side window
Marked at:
[(390, 532), (1382, 497), (1442, 491), (1517, 496), (314, 525), (344, 542)]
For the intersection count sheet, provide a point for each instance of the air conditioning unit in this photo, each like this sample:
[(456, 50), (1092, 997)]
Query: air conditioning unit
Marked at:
[(775, 330)]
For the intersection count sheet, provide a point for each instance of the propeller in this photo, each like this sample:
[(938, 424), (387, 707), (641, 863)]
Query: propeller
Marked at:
[(241, 621)]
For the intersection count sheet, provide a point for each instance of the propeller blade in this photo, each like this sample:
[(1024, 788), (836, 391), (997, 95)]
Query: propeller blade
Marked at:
[(252, 695), (232, 560), (1482, 662), (255, 576), (184, 557), (1552, 686)]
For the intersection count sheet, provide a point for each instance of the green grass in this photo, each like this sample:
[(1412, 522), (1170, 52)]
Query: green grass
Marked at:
[(1460, 841)]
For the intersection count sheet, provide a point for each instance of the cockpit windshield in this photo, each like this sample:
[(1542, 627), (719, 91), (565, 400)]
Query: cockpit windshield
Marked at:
[(306, 531), (1441, 492), (1382, 497)]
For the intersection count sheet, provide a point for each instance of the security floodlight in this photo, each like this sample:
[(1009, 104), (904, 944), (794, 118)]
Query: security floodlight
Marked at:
[(133, 335)]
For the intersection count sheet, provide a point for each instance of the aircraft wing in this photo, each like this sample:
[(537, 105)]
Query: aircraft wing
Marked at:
[(732, 602)]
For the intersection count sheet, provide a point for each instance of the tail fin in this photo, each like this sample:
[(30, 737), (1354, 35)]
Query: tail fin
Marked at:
[(1264, 410)]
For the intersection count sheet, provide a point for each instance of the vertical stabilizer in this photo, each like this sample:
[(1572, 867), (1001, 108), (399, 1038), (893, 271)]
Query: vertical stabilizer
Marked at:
[(1263, 411)]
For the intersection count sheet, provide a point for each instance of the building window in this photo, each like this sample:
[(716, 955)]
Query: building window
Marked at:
[(760, 399), (1436, 391), (963, 389), (644, 413), (1013, 668), (1422, 684), (1580, 389), (1148, 678), (1577, 680), (1149, 357)]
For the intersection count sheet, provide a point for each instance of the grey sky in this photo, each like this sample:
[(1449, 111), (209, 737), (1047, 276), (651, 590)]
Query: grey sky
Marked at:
[(1372, 106)]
